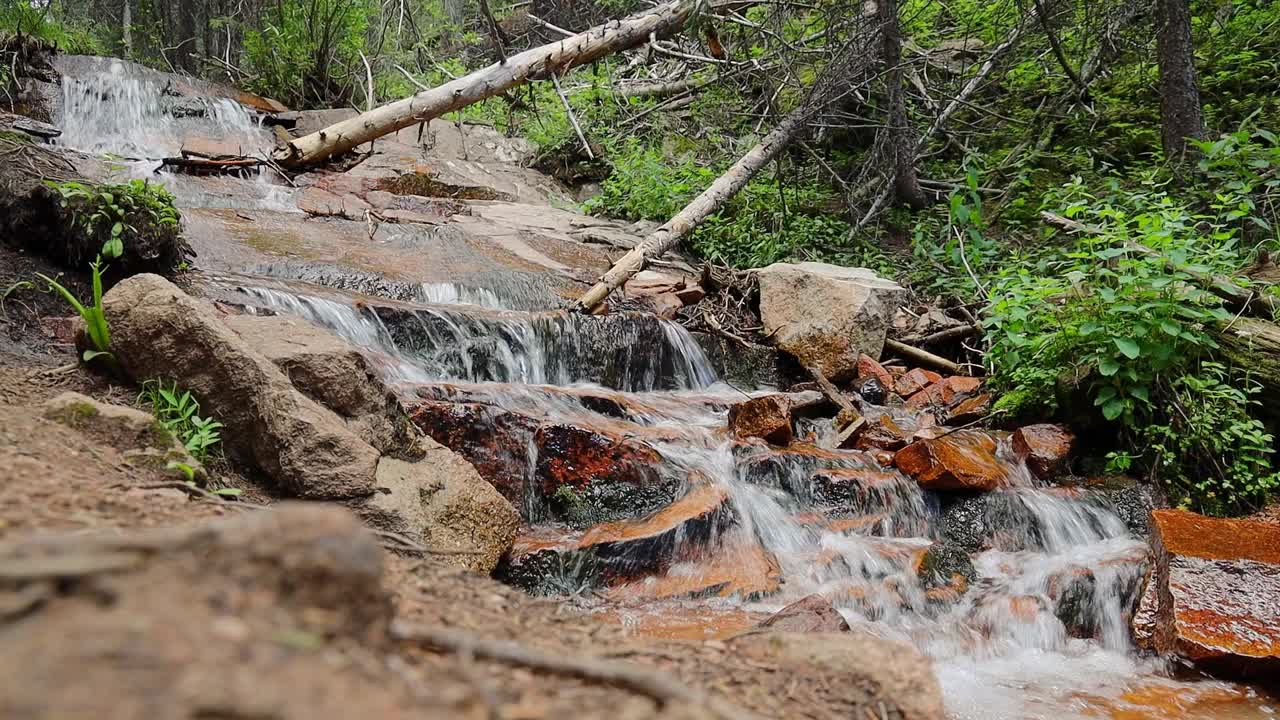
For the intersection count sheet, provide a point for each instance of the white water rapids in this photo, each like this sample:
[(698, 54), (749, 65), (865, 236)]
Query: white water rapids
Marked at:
[(1000, 651)]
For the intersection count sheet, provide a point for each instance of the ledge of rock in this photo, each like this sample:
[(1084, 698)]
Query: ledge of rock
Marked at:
[(827, 316), (1045, 448), (1217, 591), (331, 371), (136, 434)]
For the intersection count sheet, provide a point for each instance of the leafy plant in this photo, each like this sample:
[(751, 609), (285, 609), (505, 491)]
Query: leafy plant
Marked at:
[(95, 319), (115, 213), (178, 411)]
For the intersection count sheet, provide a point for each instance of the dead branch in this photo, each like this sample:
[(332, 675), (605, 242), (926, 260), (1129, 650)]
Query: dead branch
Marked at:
[(924, 357), (556, 57)]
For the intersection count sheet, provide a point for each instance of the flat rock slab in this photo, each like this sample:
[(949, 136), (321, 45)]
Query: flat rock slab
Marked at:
[(964, 460), (1217, 585)]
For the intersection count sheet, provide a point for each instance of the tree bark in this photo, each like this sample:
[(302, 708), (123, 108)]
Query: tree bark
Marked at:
[(901, 139), (1180, 113), (556, 57), (126, 28), (702, 207)]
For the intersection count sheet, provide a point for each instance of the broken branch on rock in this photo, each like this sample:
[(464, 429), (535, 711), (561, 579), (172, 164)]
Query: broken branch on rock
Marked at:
[(924, 357)]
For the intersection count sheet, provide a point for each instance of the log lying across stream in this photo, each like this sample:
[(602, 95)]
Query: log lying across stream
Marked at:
[(540, 62)]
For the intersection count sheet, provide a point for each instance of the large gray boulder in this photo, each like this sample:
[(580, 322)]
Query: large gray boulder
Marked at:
[(334, 373), (825, 315), (158, 331)]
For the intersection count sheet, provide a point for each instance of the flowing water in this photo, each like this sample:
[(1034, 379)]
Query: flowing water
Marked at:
[(1039, 630)]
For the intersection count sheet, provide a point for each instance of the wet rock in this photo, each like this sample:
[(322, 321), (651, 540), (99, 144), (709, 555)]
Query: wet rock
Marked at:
[(827, 316), (331, 371), (547, 559), (869, 368), (1073, 593), (944, 393), (1218, 586), (999, 520), (752, 366), (946, 564), (903, 679), (812, 614), (970, 410), (322, 203), (441, 501), (915, 381), (727, 569), (496, 442), (859, 490), (964, 460), (872, 390), (592, 476), (1129, 499), (137, 434), (1146, 615), (160, 332), (767, 417), (883, 433), (1045, 448)]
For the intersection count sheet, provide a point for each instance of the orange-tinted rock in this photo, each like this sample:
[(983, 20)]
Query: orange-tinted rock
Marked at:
[(1045, 448), (494, 441), (584, 459), (739, 570), (767, 417), (944, 393), (962, 385), (964, 460), (915, 381), (869, 368), (704, 504), (1217, 583), (882, 434), (807, 615), (970, 410)]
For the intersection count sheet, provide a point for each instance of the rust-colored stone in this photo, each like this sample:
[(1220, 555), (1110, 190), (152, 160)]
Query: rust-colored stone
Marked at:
[(1217, 583), (970, 410), (963, 460), (576, 457), (883, 434), (869, 368), (767, 417), (494, 441), (743, 570), (1045, 448), (814, 613), (701, 505), (915, 381)]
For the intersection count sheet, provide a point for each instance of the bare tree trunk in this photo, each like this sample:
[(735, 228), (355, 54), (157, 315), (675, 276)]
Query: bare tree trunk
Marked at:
[(556, 57), (126, 28), (1180, 113), (702, 207), (901, 138)]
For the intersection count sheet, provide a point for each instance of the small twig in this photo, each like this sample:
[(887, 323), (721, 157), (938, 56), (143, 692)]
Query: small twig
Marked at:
[(544, 24)]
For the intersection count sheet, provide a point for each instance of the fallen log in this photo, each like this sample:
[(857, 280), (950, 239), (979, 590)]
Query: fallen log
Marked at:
[(693, 214), (556, 57), (924, 357), (207, 166), (1253, 346)]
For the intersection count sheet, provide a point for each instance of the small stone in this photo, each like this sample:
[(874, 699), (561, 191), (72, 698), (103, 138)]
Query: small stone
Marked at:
[(868, 367), (963, 460), (814, 613), (883, 434), (915, 381), (767, 417), (1045, 448), (970, 410)]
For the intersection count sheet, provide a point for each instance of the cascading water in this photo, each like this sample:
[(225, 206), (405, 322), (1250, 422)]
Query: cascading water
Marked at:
[(1038, 629)]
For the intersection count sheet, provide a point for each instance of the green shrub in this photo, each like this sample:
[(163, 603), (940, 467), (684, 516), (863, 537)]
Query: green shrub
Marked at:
[(137, 212)]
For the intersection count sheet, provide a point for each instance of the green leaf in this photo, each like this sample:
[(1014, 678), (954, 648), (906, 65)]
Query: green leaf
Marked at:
[(1108, 366), (1113, 409), (1140, 392), (91, 355), (1128, 347), (1170, 327)]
